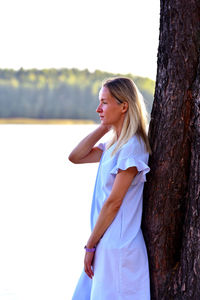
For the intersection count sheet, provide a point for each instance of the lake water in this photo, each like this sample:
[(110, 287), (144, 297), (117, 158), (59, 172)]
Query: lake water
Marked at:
[(44, 211)]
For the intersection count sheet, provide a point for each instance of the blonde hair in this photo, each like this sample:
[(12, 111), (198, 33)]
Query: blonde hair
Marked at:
[(123, 89)]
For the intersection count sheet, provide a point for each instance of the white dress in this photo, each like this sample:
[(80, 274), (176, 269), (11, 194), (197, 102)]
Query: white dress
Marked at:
[(121, 269)]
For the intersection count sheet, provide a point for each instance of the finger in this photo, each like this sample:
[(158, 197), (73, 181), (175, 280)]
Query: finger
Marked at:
[(88, 273), (89, 270)]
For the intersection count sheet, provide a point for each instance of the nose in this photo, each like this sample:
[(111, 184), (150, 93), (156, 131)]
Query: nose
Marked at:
[(99, 109)]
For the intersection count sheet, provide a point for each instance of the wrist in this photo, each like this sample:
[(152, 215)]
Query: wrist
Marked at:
[(87, 249), (105, 128)]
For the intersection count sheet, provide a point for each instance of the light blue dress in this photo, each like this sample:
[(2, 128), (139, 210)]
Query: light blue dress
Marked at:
[(121, 269)]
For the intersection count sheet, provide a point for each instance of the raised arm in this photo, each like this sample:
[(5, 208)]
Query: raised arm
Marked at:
[(85, 152), (108, 212)]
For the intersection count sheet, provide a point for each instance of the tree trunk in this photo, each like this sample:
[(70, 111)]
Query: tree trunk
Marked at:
[(171, 218)]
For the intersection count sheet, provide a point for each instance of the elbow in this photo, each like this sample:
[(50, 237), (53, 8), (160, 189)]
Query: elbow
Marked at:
[(114, 206), (72, 158)]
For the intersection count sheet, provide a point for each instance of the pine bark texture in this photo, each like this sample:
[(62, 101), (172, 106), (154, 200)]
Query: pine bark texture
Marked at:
[(171, 218)]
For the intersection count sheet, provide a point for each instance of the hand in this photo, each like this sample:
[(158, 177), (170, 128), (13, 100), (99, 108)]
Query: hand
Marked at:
[(106, 127), (88, 260)]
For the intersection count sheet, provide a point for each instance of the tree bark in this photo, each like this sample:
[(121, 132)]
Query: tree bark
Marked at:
[(171, 221)]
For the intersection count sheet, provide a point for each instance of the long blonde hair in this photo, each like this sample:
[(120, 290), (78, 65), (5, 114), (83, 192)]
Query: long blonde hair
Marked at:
[(123, 89)]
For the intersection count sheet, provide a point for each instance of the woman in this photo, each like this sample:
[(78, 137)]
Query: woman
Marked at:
[(116, 263)]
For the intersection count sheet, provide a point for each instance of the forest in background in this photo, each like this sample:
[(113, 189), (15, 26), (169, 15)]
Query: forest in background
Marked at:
[(58, 93)]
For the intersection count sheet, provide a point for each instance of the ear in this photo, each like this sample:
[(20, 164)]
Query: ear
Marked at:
[(124, 107)]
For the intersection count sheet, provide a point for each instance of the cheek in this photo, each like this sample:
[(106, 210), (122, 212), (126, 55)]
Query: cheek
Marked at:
[(104, 108)]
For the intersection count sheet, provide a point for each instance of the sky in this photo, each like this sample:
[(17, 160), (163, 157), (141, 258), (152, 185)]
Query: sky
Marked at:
[(119, 36)]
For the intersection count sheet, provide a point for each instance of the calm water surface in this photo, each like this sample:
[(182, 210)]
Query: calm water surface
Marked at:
[(44, 211)]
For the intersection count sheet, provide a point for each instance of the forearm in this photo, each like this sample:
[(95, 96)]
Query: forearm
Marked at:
[(112, 204), (86, 145), (106, 216)]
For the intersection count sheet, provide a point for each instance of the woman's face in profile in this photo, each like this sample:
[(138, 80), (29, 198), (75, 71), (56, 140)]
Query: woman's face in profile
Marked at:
[(110, 112)]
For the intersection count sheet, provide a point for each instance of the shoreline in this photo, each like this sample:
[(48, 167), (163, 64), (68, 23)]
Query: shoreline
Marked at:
[(44, 121)]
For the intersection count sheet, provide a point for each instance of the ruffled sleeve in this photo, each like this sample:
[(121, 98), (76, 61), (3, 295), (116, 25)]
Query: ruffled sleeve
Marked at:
[(101, 146), (132, 155)]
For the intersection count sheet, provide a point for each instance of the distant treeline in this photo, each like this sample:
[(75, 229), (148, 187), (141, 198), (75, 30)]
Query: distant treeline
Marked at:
[(57, 93)]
